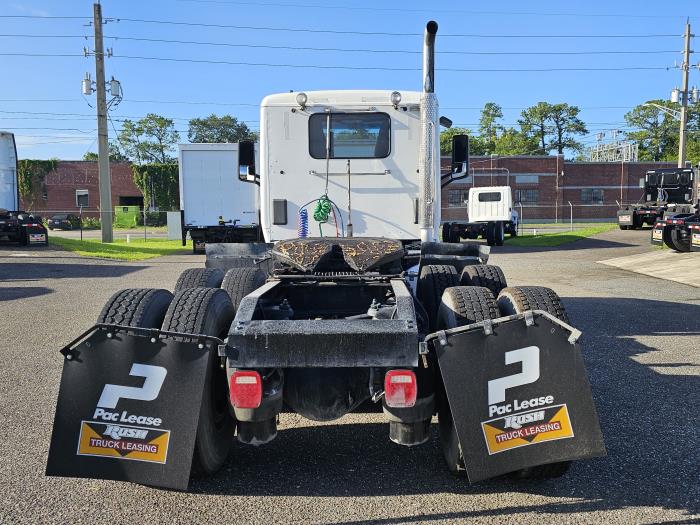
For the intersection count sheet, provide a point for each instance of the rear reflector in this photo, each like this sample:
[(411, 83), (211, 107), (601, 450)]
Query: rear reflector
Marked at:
[(245, 389), (400, 388)]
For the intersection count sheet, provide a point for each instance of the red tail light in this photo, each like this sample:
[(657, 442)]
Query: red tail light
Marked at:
[(245, 389), (400, 388)]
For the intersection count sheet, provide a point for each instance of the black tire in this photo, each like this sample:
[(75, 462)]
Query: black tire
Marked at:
[(491, 233), (199, 278), (499, 234), (486, 275), (446, 232), (434, 279), (207, 311), (137, 307), (516, 300), (239, 282), (460, 306), (623, 227)]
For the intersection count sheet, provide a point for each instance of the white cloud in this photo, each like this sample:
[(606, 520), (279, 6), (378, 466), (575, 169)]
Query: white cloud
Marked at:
[(29, 10)]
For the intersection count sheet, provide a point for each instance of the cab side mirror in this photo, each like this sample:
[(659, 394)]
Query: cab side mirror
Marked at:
[(460, 153), (246, 162), (459, 168)]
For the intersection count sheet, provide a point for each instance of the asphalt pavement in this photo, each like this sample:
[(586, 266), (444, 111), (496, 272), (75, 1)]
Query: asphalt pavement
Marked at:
[(641, 345)]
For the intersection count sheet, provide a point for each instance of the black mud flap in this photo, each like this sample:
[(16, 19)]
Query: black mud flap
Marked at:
[(128, 406), (519, 394)]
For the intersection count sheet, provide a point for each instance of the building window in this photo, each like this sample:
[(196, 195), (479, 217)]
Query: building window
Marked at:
[(45, 195), (527, 179), (527, 196), (81, 198), (591, 196), (457, 198)]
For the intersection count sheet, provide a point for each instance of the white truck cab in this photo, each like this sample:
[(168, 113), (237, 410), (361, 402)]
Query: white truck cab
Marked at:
[(490, 216), (368, 165), (493, 203)]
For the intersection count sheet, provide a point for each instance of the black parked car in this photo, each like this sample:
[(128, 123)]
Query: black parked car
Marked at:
[(64, 221)]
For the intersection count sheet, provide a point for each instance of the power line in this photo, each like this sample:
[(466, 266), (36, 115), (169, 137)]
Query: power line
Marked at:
[(351, 50), (369, 33), (353, 68)]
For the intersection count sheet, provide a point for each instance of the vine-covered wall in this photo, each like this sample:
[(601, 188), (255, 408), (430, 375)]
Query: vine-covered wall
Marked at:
[(31, 175), (159, 185)]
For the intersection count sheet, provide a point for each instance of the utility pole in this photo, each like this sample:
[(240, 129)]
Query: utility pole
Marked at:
[(103, 144), (685, 68)]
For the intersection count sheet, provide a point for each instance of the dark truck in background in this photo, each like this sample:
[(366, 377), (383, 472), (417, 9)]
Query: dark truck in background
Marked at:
[(667, 192), (16, 226)]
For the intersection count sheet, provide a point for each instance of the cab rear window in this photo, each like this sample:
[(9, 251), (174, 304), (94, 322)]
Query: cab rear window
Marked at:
[(353, 135), (491, 196)]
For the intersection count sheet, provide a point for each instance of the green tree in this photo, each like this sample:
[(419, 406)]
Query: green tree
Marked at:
[(656, 131), (476, 144), (554, 125), (219, 129), (514, 142), (151, 139), (489, 126), (565, 126), (534, 122), (115, 154)]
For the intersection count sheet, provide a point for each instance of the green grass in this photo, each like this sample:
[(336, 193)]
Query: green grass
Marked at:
[(557, 239), (136, 250)]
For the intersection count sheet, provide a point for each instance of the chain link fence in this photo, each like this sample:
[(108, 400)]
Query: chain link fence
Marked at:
[(127, 222)]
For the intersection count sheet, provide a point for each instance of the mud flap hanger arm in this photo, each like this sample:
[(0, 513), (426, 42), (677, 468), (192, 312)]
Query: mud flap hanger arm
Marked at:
[(151, 333), (488, 324)]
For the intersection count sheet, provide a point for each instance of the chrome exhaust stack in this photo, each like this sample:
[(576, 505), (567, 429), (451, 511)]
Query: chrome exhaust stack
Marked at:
[(429, 159)]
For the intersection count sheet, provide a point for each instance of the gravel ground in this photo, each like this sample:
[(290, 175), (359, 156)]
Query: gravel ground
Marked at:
[(641, 342)]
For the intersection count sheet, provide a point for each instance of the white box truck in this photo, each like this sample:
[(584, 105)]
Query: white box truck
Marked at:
[(490, 216), (216, 205)]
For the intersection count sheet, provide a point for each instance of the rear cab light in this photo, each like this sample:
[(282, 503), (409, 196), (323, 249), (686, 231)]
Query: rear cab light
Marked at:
[(245, 389), (400, 388)]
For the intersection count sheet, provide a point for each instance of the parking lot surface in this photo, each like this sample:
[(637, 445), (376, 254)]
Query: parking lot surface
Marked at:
[(641, 345)]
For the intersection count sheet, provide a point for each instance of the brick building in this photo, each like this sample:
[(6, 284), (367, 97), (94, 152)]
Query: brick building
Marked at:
[(543, 186), (76, 183)]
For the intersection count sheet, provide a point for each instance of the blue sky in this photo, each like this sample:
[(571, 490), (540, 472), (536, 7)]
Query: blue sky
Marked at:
[(40, 98)]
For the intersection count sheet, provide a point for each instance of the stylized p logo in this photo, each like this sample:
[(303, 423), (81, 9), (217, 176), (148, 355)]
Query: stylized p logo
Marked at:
[(155, 375), (530, 358)]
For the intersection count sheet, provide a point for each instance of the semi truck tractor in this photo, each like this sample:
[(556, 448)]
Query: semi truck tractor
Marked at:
[(16, 226), (216, 206), (667, 192), (490, 216), (350, 305)]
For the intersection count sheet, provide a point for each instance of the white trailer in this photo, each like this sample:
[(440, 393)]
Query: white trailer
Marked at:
[(9, 193), (15, 225), (216, 205), (490, 215)]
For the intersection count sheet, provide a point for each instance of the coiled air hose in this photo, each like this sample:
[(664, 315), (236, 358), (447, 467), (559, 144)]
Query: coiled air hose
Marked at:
[(322, 212), (303, 227)]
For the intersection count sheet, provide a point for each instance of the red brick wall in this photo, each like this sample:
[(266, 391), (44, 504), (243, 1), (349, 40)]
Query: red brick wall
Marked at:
[(555, 191), (83, 175)]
